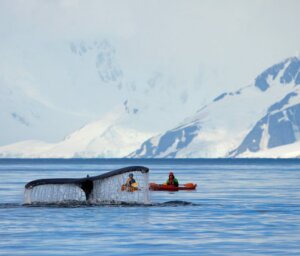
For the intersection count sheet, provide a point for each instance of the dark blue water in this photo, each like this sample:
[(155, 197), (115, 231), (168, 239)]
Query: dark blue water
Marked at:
[(241, 207)]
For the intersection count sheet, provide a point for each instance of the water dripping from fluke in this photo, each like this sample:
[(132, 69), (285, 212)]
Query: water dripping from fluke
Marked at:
[(104, 188)]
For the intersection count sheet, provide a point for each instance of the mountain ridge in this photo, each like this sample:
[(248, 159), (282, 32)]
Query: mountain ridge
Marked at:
[(222, 126), (258, 117)]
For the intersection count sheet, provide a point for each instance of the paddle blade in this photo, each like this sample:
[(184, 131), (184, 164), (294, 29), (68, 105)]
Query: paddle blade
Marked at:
[(135, 184), (190, 185)]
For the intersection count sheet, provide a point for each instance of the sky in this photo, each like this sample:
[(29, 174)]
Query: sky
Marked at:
[(217, 36), (200, 48)]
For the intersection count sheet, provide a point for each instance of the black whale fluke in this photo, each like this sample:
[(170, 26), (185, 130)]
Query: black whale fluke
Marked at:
[(87, 187)]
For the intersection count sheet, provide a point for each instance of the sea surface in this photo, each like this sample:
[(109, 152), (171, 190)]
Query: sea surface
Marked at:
[(240, 207)]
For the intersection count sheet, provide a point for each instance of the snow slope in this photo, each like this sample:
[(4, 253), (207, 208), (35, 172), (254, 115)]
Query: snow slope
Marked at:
[(287, 151), (104, 138), (227, 126)]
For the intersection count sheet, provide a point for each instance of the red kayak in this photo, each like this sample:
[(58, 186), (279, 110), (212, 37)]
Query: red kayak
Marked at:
[(164, 187)]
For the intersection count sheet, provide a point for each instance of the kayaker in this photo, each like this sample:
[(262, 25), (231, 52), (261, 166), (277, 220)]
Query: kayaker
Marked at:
[(130, 180), (172, 180)]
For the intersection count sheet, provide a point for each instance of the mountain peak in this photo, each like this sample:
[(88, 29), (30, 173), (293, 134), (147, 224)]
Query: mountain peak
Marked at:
[(285, 72)]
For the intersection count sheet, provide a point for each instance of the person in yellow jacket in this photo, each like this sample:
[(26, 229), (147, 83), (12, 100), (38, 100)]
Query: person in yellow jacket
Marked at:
[(130, 181), (131, 185)]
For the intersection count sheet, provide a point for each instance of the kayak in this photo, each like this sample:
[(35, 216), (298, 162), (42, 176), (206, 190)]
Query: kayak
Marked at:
[(132, 188), (164, 187)]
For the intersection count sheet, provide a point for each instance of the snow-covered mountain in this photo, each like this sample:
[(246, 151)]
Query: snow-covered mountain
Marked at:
[(103, 138), (48, 90), (261, 116), (255, 120)]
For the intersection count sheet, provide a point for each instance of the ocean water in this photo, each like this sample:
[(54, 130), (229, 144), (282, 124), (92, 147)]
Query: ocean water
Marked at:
[(240, 207)]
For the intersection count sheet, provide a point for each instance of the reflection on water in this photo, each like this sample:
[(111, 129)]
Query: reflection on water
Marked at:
[(250, 208)]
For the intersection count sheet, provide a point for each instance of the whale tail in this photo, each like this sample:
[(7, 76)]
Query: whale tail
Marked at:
[(104, 188)]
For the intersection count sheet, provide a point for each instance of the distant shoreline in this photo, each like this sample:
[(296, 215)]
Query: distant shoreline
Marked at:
[(149, 160)]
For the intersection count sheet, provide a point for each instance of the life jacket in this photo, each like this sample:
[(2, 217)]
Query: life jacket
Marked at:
[(172, 182), (130, 181)]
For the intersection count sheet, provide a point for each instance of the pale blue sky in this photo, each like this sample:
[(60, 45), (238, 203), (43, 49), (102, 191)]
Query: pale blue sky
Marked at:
[(214, 35)]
